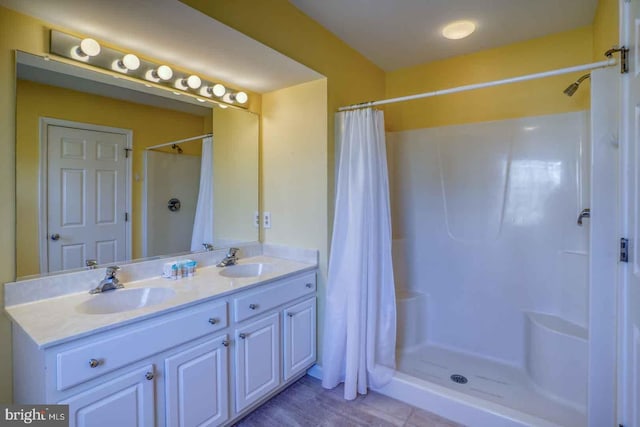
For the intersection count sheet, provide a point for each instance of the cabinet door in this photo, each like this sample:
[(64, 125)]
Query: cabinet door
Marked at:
[(127, 400), (299, 337), (257, 360), (197, 385)]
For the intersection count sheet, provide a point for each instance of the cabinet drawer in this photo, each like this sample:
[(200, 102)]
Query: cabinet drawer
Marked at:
[(268, 297), (99, 355)]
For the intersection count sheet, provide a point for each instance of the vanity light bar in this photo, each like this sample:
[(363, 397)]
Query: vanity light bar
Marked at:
[(89, 51)]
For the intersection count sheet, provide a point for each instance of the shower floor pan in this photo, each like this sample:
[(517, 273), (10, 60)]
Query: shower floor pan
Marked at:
[(495, 394)]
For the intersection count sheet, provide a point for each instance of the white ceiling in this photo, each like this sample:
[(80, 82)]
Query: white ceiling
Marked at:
[(168, 30), (395, 34)]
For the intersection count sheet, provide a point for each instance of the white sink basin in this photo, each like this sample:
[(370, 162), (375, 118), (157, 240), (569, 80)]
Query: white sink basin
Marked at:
[(124, 300), (247, 270)]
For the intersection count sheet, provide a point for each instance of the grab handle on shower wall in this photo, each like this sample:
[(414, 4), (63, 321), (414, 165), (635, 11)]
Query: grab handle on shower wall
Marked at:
[(584, 213)]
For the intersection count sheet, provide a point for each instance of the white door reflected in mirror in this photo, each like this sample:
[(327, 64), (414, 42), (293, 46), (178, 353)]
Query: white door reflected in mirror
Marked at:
[(87, 186)]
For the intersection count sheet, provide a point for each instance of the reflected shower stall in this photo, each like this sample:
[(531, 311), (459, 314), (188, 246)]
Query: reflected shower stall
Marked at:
[(171, 185)]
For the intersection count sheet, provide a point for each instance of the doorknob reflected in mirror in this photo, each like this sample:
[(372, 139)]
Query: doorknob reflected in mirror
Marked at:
[(55, 237)]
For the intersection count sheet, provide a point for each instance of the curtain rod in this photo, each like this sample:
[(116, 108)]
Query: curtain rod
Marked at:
[(592, 66), (179, 141)]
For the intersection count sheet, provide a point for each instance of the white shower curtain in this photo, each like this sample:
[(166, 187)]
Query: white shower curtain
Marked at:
[(203, 220), (360, 314)]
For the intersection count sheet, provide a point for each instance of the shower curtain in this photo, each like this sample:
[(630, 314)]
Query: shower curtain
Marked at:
[(360, 315), (203, 220)]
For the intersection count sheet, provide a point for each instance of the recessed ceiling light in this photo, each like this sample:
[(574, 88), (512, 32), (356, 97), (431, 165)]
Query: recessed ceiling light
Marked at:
[(458, 30)]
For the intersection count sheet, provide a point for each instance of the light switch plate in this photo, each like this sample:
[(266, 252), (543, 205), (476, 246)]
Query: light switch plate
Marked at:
[(266, 219), (256, 219)]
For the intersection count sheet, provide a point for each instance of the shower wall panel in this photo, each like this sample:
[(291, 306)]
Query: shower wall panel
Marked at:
[(485, 215), (169, 176)]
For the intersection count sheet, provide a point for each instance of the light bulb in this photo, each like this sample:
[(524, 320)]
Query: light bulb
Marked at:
[(194, 82), (161, 73), (131, 62), (89, 47), (219, 90), (228, 98), (128, 62), (241, 97), (164, 72), (224, 107)]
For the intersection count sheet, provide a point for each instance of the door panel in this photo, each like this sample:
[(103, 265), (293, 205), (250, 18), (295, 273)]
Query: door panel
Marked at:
[(299, 337), (86, 197), (257, 360), (125, 401), (197, 385), (107, 197)]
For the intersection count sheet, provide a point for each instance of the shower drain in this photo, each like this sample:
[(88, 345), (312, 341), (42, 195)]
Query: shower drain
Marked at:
[(460, 379)]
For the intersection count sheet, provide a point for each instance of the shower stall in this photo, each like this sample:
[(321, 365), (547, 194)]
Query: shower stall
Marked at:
[(494, 285)]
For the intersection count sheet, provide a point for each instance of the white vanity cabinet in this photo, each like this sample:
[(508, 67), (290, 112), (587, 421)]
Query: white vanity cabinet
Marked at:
[(197, 384), (257, 360), (204, 365), (299, 338), (127, 400), (271, 349)]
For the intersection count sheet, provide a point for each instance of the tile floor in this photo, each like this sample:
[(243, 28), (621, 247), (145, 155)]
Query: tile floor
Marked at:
[(307, 404)]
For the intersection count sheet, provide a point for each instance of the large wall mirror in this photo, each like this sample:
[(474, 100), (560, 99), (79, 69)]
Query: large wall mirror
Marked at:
[(87, 186)]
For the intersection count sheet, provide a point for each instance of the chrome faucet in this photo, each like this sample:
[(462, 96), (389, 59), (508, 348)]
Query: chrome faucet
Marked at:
[(230, 259), (110, 281), (208, 247)]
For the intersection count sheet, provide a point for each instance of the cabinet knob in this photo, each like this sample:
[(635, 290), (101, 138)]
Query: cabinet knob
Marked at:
[(149, 376), (309, 285), (225, 343), (243, 336), (213, 321), (94, 363), (253, 306)]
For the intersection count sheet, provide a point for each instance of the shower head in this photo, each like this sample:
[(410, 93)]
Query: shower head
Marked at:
[(573, 87)]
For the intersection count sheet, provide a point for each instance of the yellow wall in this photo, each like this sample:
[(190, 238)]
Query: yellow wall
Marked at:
[(606, 33), (536, 97), (294, 165), (150, 126), (235, 175)]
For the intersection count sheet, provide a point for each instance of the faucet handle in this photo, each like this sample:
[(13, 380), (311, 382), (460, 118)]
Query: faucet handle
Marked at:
[(112, 270), (208, 247)]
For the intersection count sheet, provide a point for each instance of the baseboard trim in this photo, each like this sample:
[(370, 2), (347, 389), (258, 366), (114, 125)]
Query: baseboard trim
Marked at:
[(315, 371)]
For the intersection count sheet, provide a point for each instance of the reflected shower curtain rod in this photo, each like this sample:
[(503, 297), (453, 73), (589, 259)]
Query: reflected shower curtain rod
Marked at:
[(179, 141), (592, 66)]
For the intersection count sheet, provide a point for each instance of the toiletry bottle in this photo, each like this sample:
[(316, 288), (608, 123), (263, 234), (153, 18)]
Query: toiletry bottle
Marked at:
[(174, 271)]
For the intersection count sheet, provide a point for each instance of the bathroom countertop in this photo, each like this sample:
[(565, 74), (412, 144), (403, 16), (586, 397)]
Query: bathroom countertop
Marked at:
[(53, 321)]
